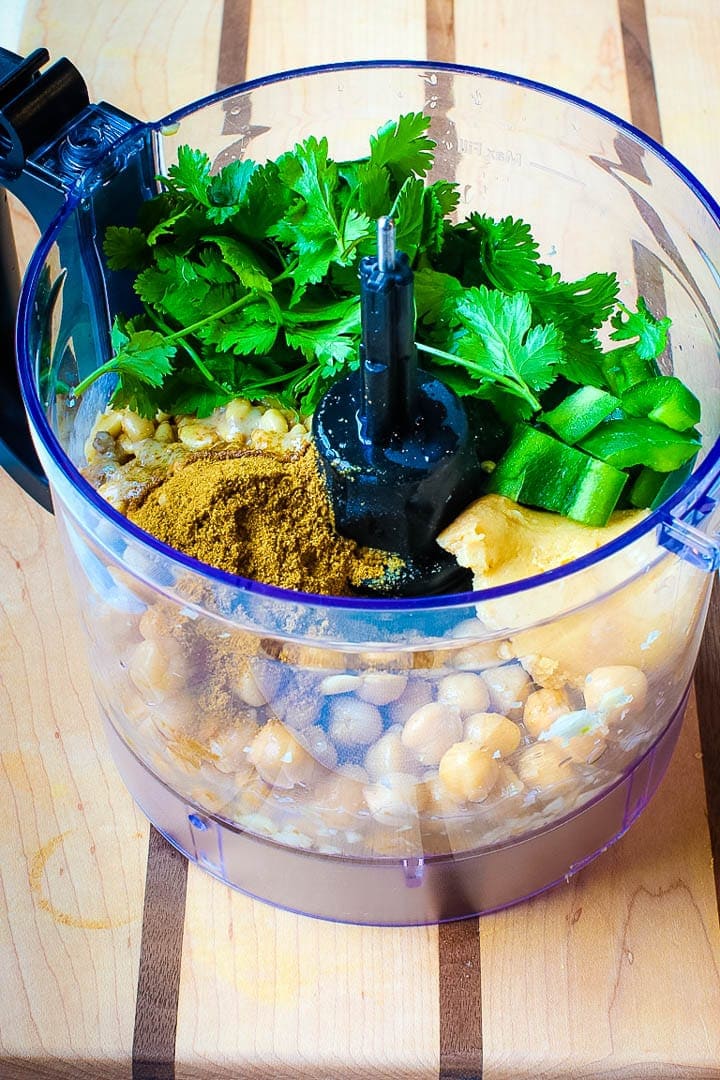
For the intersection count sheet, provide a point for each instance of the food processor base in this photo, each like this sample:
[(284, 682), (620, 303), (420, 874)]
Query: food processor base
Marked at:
[(397, 892)]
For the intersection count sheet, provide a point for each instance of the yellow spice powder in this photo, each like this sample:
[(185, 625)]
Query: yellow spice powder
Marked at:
[(260, 515)]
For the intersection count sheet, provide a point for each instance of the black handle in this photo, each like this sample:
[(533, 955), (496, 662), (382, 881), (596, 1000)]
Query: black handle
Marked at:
[(17, 453), (34, 107)]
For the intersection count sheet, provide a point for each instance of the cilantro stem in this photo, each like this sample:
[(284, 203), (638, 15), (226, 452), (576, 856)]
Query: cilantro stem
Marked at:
[(518, 389), (194, 356), (109, 365), (178, 335)]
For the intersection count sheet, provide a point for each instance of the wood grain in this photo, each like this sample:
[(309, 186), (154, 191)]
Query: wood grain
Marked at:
[(72, 844), (685, 43), (585, 981)]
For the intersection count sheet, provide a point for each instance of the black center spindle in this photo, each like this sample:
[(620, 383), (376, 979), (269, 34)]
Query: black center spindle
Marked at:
[(394, 442)]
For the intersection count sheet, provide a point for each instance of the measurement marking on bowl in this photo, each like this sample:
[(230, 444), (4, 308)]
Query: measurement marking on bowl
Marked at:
[(556, 172)]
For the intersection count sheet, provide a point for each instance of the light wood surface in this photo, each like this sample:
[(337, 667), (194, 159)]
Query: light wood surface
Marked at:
[(614, 975)]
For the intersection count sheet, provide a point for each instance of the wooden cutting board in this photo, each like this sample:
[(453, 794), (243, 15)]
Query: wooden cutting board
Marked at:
[(119, 960)]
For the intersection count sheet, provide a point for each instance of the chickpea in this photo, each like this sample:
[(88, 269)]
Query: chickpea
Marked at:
[(509, 784), (381, 687), (175, 716), (389, 755), (137, 427), (273, 420), (477, 657), (297, 707), (468, 772), (111, 422), (585, 749), (158, 668), (431, 731), (466, 690), (164, 433), (340, 799), (398, 798), (315, 740), (509, 688), (542, 709), (616, 692), (354, 722), (544, 764), (197, 436), (338, 684), (258, 682), (231, 746), (230, 421), (279, 758), (496, 734), (296, 437), (439, 801), (251, 421), (418, 692)]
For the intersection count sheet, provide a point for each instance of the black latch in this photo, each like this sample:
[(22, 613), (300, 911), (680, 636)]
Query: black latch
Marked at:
[(35, 105)]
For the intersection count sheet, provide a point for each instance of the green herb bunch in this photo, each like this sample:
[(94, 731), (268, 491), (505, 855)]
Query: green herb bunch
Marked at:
[(249, 286), (248, 282)]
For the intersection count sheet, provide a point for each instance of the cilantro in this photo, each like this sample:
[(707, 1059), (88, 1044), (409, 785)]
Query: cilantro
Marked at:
[(125, 248), (403, 147), (142, 360), (246, 279), (498, 346), (651, 333)]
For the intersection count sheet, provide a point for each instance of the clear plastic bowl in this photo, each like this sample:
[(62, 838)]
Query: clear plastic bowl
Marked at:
[(262, 730)]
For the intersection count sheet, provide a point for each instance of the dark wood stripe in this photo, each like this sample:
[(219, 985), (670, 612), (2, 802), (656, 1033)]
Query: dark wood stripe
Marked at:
[(707, 693), (153, 1053), (234, 39), (461, 1049), (644, 111), (440, 30)]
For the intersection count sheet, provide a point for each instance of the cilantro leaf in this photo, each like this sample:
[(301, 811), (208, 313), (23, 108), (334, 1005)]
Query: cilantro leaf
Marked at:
[(433, 291), (482, 251), (228, 188), (583, 305), (651, 333), (497, 344), (243, 261), (407, 213), (125, 249), (439, 200), (142, 361), (403, 147), (373, 185), (190, 173)]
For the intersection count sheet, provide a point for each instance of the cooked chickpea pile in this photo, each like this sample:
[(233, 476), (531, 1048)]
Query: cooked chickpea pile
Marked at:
[(126, 452), (382, 753), (373, 754)]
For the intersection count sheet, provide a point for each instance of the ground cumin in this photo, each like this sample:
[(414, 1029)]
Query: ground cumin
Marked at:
[(262, 516)]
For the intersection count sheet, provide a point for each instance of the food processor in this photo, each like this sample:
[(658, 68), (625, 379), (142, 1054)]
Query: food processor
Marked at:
[(286, 742)]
